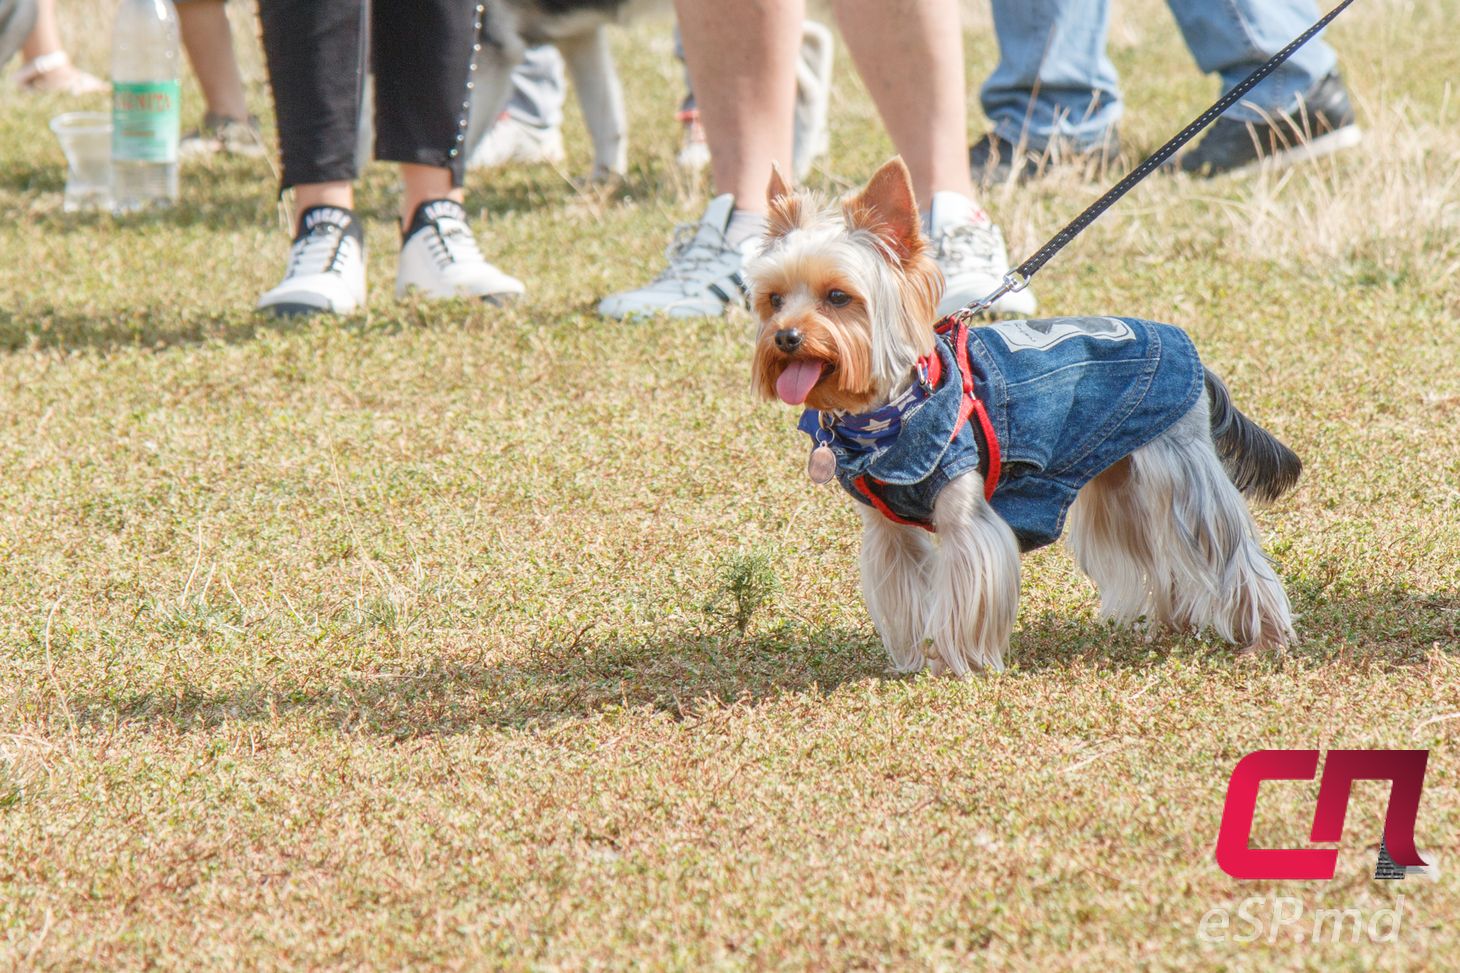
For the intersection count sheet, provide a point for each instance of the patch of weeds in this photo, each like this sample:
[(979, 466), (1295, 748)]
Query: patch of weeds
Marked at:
[(195, 617), (11, 790), (746, 582), (384, 612)]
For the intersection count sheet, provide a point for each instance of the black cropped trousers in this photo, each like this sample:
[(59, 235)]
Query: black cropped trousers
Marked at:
[(422, 53)]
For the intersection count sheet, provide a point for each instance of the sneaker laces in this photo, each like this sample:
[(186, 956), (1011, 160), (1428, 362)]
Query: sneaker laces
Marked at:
[(451, 241), (966, 247), (319, 251), (692, 253)]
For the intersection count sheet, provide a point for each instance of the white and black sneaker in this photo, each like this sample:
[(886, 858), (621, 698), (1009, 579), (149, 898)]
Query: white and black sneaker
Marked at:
[(969, 248), (326, 271), (704, 274), (440, 258)]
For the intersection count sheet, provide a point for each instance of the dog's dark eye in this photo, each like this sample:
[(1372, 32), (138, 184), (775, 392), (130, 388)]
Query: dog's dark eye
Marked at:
[(838, 298), (776, 301)]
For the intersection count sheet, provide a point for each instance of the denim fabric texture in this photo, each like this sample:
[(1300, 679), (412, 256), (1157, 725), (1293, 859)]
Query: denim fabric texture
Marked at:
[(1054, 80), (1067, 399)]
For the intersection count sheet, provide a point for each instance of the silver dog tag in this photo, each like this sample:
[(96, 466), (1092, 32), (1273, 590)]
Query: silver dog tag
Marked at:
[(821, 466)]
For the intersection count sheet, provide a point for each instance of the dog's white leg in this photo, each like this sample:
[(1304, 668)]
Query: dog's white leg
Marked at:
[(1111, 542), (602, 99), (974, 581), (895, 585), (1207, 565)]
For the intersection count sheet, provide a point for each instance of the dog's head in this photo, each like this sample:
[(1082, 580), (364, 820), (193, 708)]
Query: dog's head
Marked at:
[(845, 293)]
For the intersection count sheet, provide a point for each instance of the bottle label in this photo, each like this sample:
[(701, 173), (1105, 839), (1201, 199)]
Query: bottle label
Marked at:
[(145, 120)]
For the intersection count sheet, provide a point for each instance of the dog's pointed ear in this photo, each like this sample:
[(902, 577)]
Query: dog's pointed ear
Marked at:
[(888, 208), (783, 206), (779, 187)]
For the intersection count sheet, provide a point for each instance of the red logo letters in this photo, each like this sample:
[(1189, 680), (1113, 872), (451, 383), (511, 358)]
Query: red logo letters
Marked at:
[(1404, 769)]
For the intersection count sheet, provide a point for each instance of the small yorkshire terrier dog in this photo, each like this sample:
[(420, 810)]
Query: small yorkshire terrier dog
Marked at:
[(965, 445)]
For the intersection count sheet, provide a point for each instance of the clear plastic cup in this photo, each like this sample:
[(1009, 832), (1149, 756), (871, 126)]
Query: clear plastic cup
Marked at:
[(86, 138)]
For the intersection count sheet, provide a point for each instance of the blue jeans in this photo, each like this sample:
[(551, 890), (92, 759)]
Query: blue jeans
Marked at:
[(1054, 80), (539, 88)]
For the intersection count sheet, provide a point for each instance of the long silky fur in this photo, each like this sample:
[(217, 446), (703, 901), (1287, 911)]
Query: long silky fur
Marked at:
[(1172, 540), (974, 578), (895, 559), (1260, 465)]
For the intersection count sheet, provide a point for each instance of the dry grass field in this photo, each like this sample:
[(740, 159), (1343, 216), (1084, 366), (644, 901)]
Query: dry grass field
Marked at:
[(456, 637)]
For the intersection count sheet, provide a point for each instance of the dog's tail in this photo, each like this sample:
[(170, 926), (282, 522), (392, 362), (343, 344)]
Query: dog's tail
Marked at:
[(1256, 461)]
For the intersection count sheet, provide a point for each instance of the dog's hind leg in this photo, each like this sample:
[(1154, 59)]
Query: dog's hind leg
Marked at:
[(1206, 567), (895, 585), (602, 98), (1111, 541), (974, 580)]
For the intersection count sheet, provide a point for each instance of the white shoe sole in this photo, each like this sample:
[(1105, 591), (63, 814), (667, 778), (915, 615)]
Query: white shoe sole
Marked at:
[(497, 299), (289, 305), (1335, 141)]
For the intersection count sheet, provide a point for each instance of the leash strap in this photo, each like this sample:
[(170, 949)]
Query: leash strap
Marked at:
[(1018, 278)]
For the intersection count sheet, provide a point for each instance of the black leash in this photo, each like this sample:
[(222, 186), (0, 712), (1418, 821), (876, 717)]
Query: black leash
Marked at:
[(1018, 278)]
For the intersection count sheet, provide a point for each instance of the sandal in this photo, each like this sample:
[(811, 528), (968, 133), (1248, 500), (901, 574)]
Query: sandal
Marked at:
[(54, 73)]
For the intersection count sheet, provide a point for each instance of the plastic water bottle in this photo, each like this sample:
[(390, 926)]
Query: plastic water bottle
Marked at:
[(145, 95)]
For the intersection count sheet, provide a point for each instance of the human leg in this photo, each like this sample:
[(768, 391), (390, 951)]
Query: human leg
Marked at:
[(529, 129), (227, 126), (1054, 94), (47, 66), (910, 56), (316, 59), (425, 57), (1300, 111), (17, 21), (742, 59), (207, 38), (1230, 38)]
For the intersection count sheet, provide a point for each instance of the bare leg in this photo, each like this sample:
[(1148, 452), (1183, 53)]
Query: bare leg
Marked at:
[(310, 195), (47, 67), (421, 183), (208, 40), (910, 55), (742, 59), (45, 37)]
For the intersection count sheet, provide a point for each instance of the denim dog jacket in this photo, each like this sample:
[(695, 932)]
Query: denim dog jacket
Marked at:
[(1059, 400)]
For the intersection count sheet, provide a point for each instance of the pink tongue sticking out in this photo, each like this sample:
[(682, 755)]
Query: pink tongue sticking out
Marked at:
[(797, 381)]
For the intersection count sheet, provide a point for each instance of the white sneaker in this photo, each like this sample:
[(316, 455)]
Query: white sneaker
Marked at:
[(510, 140), (813, 94), (440, 258), (326, 269), (969, 248), (704, 273)]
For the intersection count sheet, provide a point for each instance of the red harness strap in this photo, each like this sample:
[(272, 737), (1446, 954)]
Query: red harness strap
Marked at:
[(972, 405), (969, 405)]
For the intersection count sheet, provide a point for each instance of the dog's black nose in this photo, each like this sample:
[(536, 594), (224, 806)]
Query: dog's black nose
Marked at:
[(788, 340)]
